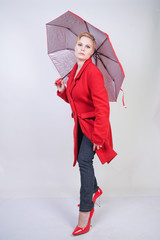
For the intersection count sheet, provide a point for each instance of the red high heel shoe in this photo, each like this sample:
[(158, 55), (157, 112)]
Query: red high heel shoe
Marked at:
[(78, 230), (96, 195)]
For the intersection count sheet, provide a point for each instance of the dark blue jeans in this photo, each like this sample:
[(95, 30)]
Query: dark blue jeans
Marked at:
[(88, 179)]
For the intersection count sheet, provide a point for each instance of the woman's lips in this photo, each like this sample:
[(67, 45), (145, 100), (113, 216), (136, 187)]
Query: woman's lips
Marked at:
[(82, 54)]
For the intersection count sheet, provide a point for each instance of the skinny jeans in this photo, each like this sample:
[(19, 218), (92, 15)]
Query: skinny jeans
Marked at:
[(88, 180)]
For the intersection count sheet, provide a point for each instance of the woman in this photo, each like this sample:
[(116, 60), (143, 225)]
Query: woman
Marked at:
[(87, 96)]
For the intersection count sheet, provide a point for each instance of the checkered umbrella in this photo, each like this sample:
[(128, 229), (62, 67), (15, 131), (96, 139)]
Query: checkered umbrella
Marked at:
[(62, 33)]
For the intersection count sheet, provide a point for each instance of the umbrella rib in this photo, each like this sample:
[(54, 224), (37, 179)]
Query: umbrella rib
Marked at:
[(109, 74), (69, 49), (102, 43), (105, 68), (107, 57), (102, 53), (63, 27), (86, 26), (62, 50)]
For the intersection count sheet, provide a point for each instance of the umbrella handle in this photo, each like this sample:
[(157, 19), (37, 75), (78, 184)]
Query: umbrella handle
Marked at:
[(58, 82)]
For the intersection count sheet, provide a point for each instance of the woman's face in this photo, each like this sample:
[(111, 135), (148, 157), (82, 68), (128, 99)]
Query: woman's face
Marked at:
[(84, 48)]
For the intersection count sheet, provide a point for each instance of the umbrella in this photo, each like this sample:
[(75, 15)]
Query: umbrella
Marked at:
[(62, 33)]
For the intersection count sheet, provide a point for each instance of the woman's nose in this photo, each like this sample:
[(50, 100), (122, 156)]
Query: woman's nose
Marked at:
[(82, 48)]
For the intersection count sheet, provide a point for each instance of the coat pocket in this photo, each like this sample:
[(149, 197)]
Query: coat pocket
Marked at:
[(87, 115)]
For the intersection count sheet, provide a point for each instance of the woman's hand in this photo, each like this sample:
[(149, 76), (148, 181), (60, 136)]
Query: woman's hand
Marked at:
[(61, 87), (96, 146)]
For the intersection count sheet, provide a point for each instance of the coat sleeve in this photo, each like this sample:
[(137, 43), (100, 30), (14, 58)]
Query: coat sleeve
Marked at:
[(101, 104), (63, 95)]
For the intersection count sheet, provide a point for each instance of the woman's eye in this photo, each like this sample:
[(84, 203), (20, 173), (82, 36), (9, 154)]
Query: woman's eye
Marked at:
[(79, 44), (88, 46)]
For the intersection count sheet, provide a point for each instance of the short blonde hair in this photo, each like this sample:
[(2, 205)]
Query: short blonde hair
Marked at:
[(89, 35)]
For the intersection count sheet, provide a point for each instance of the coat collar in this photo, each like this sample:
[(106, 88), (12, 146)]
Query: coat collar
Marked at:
[(72, 80), (72, 74), (82, 68)]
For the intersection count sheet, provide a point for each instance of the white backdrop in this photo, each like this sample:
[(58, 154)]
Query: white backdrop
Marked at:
[(36, 145)]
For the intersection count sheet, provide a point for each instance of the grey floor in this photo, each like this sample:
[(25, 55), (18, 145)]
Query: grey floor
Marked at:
[(125, 218)]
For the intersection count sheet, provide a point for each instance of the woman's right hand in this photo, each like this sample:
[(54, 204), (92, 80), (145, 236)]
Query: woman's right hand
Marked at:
[(60, 87)]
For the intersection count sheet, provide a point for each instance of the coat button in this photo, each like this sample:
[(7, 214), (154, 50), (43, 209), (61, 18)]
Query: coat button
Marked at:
[(73, 113), (69, 100)]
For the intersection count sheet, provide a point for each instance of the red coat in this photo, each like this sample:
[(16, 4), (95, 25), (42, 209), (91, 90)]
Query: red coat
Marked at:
[(89, 102)]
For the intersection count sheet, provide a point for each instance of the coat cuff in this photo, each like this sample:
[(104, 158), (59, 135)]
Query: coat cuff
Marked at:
[(97, 141)]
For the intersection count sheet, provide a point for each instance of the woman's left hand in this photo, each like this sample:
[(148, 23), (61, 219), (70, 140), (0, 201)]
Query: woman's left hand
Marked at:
[(96, 146)]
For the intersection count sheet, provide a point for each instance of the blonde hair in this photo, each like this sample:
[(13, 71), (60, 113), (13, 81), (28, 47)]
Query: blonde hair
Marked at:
[(89, 35)]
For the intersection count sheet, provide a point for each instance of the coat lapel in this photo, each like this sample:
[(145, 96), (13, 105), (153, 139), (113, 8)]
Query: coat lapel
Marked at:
[(72, 80)]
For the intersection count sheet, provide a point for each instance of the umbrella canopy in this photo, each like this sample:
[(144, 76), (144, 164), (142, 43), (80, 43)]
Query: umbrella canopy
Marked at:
[(62, 33)]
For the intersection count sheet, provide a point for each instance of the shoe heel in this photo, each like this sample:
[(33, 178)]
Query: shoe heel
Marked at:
[(98, 202)]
